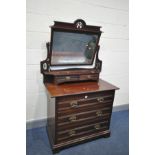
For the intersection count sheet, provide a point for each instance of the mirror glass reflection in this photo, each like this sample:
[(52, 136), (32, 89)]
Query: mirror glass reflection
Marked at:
[(73, 48)]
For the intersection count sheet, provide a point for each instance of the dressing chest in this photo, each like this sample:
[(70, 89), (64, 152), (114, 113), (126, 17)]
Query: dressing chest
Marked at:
[(79, 103), (82, 112)]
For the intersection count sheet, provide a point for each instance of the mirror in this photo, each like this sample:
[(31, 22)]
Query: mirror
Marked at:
[(73, 48)]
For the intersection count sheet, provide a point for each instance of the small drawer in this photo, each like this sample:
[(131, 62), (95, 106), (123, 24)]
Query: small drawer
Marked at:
[(89, 77), (68, 78), (71, 78)]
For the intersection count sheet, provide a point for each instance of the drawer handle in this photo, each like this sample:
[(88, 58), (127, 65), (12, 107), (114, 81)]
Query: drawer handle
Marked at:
[(97, 126), (67, 77), (99, 113), (100, 99), (74, 104), (72, 133), (72, 118)]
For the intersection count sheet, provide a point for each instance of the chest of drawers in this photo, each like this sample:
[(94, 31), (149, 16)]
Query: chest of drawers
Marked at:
[(78, 112)]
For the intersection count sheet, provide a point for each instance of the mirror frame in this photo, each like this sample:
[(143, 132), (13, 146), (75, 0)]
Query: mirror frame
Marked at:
[(79, 26)]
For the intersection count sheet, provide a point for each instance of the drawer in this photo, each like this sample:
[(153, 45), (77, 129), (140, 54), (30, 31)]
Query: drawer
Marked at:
[(65, 105), (70, 78), (89, 107), (89, 77), (73, 123), (84, 96), (83, 116), (66, 78), (81, 131)]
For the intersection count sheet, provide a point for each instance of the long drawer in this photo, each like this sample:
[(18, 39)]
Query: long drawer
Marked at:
[(82, 131), (107, 107), (101, 113), (82, 122), (84, 96), (84, 102)]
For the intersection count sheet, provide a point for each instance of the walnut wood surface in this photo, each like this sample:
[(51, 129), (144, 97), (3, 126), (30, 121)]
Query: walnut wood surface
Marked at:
[(78, 88)]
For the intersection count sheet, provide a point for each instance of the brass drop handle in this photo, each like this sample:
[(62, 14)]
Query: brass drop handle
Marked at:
[(100, 99), (97, 126), (74, 104), (72, 118), (72, 133), (68, 77), (99, 113)]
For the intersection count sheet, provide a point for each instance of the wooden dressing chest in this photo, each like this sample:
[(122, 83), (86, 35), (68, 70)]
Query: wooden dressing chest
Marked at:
[(79, 103), (82, 112)]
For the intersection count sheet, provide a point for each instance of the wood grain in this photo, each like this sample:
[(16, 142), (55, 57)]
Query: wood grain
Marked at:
[(78, 88)]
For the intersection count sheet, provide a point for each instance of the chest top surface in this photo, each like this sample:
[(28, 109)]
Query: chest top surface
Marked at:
[(78, 88)]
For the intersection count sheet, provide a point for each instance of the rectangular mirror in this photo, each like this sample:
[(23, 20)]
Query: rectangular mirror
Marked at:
[(70, 48)]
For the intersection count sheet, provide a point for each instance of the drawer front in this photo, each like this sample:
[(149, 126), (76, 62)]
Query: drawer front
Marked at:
[(84, 102), (78, 117), (84, 96), (71, 78), (107, 107), (61, 79), (73, 121), (89, 77), (81, 131)]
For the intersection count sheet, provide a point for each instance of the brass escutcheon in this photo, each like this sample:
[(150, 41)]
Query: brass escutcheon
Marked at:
[(68, 77)]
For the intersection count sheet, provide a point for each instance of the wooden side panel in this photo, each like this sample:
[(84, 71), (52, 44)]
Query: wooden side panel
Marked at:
[(51, 119)]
